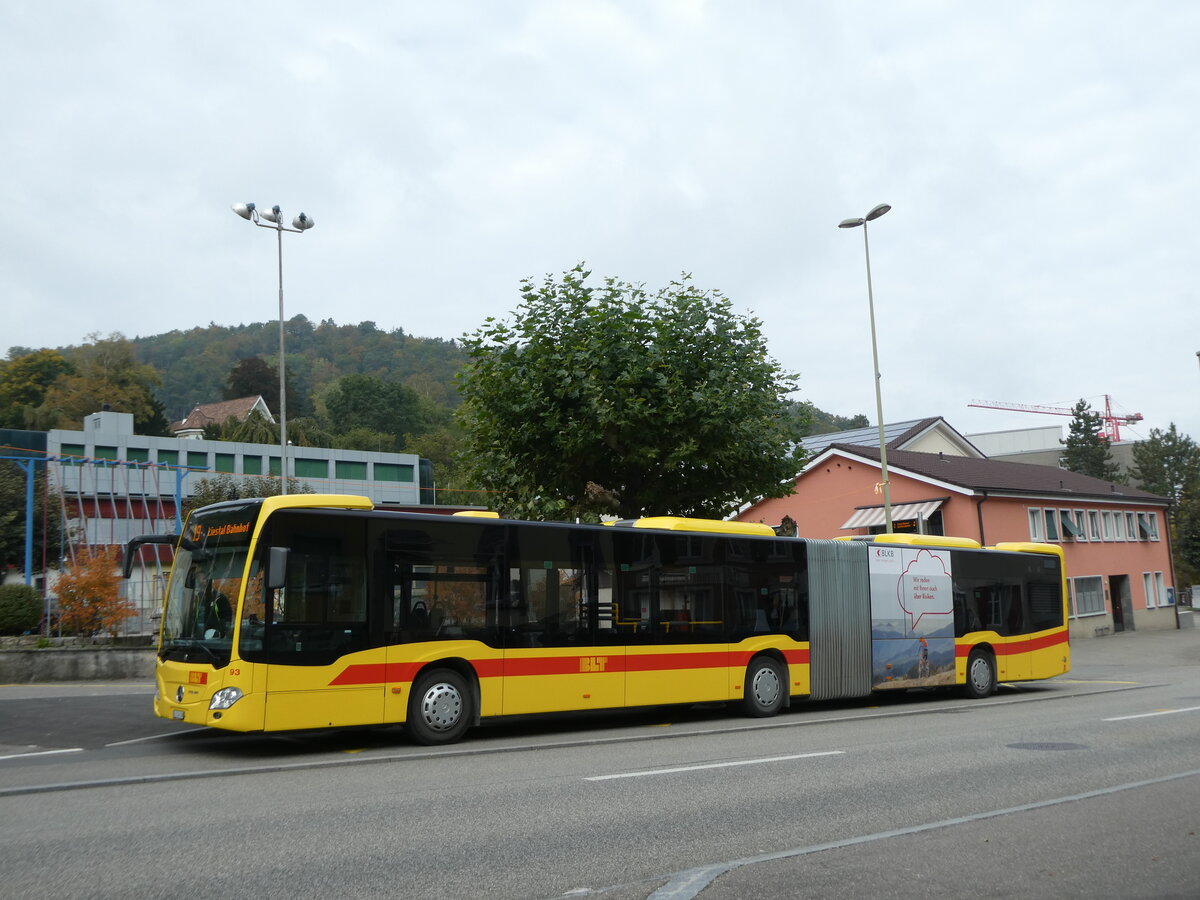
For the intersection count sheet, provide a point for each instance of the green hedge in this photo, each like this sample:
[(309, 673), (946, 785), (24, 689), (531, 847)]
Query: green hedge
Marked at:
[(20, 608)]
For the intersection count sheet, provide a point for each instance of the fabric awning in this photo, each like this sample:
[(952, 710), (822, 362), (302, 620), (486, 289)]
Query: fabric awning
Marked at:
[(871, 516)]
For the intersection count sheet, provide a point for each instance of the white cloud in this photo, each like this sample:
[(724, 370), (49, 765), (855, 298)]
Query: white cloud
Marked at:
[(1036, 157)]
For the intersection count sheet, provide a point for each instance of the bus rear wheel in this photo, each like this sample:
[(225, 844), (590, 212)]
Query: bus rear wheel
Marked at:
[(981, 674), (440, 708), (765, 687)]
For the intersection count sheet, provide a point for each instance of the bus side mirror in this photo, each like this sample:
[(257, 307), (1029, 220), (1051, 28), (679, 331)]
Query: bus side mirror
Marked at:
[(131, 549), (277, 563)]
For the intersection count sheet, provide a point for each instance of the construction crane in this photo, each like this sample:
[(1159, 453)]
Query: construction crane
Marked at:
[(1112, 423)]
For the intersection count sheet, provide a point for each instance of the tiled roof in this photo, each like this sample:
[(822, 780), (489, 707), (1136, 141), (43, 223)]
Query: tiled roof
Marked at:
[(217, 413), (1002, 477)]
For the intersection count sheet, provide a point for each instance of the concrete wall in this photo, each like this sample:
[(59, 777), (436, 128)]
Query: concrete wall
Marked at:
[(74, 664)]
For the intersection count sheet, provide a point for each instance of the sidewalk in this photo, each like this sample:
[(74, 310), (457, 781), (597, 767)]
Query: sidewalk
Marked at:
[(48, 690), (1133, 650)]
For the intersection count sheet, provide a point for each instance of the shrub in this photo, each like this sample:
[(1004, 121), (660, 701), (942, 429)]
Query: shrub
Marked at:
[(20, 608)]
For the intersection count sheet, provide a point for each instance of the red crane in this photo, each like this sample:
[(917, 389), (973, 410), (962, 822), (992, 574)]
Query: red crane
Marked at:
[(1112, 423)]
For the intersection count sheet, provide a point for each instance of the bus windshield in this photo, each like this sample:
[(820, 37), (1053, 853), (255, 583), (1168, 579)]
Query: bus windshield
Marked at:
[(206, 582)]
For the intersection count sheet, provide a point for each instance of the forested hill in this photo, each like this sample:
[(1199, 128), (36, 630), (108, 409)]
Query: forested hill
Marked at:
[(195, 364)]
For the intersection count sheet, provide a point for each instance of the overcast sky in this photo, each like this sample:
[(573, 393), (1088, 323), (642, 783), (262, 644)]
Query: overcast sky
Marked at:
[(1041, 161)]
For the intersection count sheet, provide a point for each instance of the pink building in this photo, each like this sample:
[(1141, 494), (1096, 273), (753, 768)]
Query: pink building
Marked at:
[(1114, 537)]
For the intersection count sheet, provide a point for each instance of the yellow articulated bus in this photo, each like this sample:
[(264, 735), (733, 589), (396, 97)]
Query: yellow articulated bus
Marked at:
[(317, 611)]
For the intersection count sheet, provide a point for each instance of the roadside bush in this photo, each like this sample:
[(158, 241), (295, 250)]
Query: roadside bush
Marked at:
[(20, 608)]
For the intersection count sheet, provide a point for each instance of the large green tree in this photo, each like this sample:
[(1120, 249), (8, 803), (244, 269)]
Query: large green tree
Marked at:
[(1187, 543), (610, 399), (24, 380), (442, 446), (1087, 449), (47, 517), (105, 375), (1167, 463), (364, 401), (253, 377)]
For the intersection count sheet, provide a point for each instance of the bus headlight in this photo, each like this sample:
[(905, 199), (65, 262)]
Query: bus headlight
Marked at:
[(225, 698)]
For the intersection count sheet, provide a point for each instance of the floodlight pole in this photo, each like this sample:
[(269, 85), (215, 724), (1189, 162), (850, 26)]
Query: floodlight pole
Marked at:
[(883, 466), (301, 224)]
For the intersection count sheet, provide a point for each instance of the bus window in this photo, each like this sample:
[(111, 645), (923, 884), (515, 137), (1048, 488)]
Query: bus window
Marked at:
[(1045, 605), (321, 612), (560, 591), (1013, 609), (442, 582)]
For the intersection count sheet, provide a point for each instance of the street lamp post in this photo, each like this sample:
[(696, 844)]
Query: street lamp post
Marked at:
[(300, 224), (883, 467)]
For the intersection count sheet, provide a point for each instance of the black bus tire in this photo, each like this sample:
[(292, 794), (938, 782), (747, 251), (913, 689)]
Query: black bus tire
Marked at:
[(765, 687), (981, 674), (440, 708)]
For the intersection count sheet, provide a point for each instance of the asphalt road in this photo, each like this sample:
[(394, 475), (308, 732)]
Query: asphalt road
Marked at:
[(1087, 785)]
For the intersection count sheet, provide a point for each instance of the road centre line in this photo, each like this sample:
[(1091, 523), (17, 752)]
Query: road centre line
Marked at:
[(720, 765), (42, 753), (489, 749), (1157, 712)]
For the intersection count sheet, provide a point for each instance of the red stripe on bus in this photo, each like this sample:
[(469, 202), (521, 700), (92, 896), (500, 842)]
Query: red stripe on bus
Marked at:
[(391, 673), (1013, 647)]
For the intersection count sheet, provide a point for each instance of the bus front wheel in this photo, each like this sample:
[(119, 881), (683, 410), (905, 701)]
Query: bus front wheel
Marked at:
[(765, 687), (981, 674), (440, 707)]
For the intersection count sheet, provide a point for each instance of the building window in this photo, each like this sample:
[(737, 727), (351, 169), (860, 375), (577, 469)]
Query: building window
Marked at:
[(1087, 596), (1161, 590), (252, 465), (224, 462), (1080, 525), (168, 457), (275, 468), (1147, 524), (311, 468), (137, 454), (74, 454), (1148, 587), (197, 460), (106, 452), (1070, 531), (1107, 518), (1094, 524), (1051, 524), (351, 471), (1035, 525), (393, 472), (1131, 533)]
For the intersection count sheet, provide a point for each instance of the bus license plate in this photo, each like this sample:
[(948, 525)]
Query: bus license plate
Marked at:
[(177, 714)]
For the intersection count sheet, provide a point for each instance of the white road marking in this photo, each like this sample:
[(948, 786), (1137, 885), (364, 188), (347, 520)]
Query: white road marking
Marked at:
[(688, 884), (1159, 712), (151, 737), (720, 765), (42, 753)]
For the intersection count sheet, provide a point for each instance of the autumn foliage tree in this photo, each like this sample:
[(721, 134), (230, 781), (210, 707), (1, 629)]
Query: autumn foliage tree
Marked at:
[(89, 594)]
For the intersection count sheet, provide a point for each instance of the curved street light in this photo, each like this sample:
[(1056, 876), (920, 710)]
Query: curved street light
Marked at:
[(300, 224), (874, 214)]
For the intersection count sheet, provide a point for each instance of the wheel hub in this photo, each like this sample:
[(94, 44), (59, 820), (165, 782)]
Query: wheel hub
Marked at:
[(441, 707), (766, 686)]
